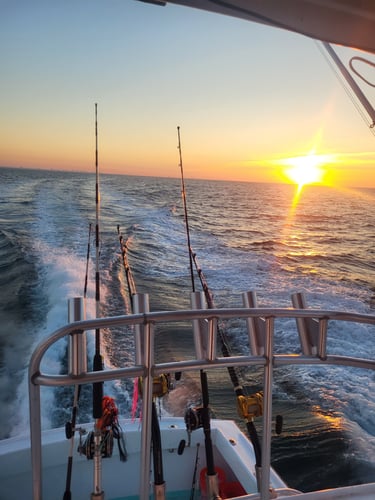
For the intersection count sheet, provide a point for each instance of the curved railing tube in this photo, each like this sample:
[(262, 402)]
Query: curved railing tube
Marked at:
[(147, 367)]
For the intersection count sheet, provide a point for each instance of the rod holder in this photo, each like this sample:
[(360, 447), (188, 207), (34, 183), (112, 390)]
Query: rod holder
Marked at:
[(256, 327), (77, 349), (204, 330), (308, 328)]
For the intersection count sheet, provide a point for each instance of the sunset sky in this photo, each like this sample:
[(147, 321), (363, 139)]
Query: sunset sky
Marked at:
[(246, 97)]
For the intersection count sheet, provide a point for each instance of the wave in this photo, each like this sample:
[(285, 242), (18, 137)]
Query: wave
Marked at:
[(45, 253)]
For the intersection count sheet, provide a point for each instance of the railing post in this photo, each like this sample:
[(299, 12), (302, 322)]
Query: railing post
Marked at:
[(267, 411), (322, 347), (77, 358), (145, 356), (35, 438)]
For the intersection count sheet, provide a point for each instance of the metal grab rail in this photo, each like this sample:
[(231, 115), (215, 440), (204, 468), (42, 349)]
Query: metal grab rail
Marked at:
[(149, 369)]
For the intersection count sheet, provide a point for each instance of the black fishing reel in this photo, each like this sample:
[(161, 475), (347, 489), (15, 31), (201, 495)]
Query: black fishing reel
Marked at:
[(193, 418), (87, 447)]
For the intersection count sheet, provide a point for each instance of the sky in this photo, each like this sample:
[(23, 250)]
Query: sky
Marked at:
[(246, 97)]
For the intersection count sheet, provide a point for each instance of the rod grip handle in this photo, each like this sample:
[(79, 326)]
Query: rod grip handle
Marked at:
[(97, 389)]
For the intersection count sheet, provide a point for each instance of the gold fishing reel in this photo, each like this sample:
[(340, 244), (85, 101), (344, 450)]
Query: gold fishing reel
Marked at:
[(161, 385), (251, 406)]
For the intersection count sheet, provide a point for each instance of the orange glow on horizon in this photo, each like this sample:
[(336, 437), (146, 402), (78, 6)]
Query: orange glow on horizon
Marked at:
[(338, 170)]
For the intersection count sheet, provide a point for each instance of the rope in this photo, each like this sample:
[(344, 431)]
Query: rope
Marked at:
[(366, 61), (351, 88)]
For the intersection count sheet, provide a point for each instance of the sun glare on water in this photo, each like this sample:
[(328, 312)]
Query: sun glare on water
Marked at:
[(305, 169)]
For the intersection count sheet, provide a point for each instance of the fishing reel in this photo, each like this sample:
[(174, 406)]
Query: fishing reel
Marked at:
[(193, 418), (250, 407), (107, 430), (161, 385), (87, 447)]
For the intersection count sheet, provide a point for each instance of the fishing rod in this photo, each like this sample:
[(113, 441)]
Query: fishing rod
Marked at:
[(159, 483), (192, 493), (71, 426), (212, 479), (183, 194), (157, 453), (87, 263), (69, 431), (98, 494), (128, 273), (248, 407), (98, 360)]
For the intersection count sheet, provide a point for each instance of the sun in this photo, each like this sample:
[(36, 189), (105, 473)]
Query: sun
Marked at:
[(305, 169)]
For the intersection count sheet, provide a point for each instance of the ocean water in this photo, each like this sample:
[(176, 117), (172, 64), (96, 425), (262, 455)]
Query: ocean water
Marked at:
[(247, 236)]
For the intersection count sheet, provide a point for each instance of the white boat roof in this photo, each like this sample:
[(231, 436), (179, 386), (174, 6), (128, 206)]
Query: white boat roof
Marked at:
[(344, 22)]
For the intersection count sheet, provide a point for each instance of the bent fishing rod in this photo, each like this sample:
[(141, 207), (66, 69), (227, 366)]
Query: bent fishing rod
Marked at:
[(243, 402)]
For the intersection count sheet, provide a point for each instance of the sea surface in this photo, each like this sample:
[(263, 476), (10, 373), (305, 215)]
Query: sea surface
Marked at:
[(247, 236)]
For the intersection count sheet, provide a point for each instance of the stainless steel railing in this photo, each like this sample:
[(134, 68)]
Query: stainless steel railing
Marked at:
[(147, 368)]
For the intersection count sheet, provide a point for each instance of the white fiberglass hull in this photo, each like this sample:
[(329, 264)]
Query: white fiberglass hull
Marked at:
[(233, 454)]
